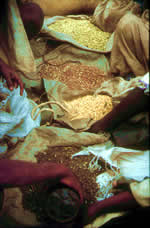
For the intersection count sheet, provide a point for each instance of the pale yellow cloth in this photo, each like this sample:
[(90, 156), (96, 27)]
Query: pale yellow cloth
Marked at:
[(141, 192), (98, 222)]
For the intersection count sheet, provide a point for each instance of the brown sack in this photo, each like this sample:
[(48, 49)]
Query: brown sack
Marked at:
[(108, 13)]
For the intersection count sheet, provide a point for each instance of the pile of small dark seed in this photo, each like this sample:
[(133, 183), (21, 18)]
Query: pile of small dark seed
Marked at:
[(79, 166), (32, 194)]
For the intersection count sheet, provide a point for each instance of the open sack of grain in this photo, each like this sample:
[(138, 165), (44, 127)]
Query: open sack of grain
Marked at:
[(80, 109), (24, 206), (79, 31), (69, 73), (75, 109)]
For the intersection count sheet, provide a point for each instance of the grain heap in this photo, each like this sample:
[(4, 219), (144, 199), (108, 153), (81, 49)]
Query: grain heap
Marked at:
[(74, 75), (82, 31), (80, 167), (93, 107)]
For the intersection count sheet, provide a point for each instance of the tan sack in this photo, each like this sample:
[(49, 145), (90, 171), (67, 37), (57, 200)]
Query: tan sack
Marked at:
[(130, 52), (79, 31), (108, 13)]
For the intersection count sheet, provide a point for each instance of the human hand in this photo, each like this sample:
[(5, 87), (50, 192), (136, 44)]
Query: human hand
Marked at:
[(58, 173), (71, 181), (97, 126), (12, 79)]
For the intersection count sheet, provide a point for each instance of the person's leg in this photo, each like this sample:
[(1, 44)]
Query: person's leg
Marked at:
[(32, 17), (131, 46)]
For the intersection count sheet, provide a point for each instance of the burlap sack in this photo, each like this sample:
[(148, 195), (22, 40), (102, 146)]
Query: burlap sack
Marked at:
[(68, 52), (59, 94), (108, 13), (51, 34), (118, 88)]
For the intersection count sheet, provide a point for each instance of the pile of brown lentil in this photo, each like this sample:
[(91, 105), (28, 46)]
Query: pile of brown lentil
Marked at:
[(74, 75), (82, 31)]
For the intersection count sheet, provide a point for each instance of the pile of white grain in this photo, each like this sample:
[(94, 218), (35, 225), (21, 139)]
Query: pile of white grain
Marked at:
[(92, 107)]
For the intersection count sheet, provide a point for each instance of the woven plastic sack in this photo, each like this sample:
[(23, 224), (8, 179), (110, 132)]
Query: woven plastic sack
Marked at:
[(108, 13), (15, 114), (53, 35)]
